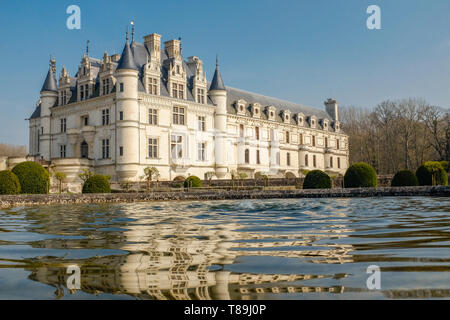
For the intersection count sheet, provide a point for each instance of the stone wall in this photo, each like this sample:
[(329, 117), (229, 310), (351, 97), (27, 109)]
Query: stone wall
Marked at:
[(196, 195)]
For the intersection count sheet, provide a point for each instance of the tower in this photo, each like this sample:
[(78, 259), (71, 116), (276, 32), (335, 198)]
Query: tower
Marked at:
[(49, 97), (218, 94), (127, 116)]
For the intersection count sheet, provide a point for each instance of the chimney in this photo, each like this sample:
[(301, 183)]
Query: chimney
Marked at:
[(173, 48), (153, 44), (331, 106)]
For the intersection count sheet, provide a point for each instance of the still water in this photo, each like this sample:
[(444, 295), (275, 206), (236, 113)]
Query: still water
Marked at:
[(249, 249)]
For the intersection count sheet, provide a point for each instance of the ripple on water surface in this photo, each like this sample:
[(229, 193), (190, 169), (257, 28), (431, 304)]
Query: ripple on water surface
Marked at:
[(257, 249)]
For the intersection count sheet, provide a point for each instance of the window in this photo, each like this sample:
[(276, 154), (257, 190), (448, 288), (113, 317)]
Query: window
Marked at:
[(105, 117), (178, 91), (313, 141), (84, 150), (62, 151), (121, 115), (121, 87), (63, 126), (152, 86), (85, 120), (288, 159), (300, 138), (200, 95), (314, 161), (257, 133), (153, 117), (201, 124), (121, 151), (105, 149), (326, 142), (306, 160), (63, 97), (287, 137), (201, 151), (241, 130), (42, 130), (105, 86), (258, 159), (81, 93), (177, 146), (247, 156), (152, 148), (178, 115), (337, 144), (339, 162), (86, 91), (331, 162)]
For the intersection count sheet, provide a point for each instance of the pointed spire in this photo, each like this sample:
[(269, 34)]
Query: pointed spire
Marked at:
[(217, 82), (127, 59), (87, 48), (50, 81)]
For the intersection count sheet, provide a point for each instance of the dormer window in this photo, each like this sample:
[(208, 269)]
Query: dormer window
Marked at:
[(152, 86), (256, 110), (240, 106), (271, 112), (106, 86), (177, 91)]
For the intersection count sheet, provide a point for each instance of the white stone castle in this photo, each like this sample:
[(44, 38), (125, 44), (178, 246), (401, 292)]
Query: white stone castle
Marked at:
[(150, 108)]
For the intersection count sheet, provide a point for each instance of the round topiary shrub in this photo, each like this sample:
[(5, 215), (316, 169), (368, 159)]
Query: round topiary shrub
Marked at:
[(432, 173), (317, 179), (360, 175), (9, 183), (193, 182), (97, 184), (33, 178), (404, 178)]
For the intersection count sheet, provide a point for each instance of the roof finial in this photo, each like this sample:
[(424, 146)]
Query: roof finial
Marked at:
[(127, 34), (217, 61), (132, 31), (87, 48)]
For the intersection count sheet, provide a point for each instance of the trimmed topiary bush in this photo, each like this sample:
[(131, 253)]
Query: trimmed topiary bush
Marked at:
[(317, 179), (193, 182), (446, 166), (33, 178), (432, 173), (97, 184), (404, 178), (9, 183), (360, 175)]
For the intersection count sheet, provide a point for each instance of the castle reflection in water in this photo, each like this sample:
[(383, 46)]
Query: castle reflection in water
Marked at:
[(183, 261)]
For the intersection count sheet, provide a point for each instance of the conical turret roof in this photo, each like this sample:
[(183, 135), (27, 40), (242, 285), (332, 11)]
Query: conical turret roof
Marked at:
[(50, 83), (217, 82), (127, 59)]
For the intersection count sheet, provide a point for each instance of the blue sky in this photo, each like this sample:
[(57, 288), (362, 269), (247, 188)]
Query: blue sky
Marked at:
[(302, 51)]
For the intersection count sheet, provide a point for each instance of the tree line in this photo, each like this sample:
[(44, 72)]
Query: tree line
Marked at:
[(396, 135), (7, 150)]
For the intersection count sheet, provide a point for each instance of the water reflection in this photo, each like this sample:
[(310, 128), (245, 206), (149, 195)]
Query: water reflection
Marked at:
[(232, 250)]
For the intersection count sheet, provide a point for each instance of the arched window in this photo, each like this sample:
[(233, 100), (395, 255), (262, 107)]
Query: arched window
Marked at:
[(331, 162), (306, 160)]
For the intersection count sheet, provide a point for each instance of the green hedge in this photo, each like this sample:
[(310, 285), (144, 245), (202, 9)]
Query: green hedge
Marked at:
[(97, 184), (446, 166), (404, 178), (33, 178), (317, 179), (360, 175), (193, 182), (432, 173), (9, 183)]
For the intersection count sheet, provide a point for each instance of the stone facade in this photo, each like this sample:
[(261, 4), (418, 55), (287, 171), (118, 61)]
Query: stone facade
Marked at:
[(151, 108)]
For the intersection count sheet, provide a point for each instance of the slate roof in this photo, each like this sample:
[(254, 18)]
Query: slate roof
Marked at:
[(127, 59), (50, 83)]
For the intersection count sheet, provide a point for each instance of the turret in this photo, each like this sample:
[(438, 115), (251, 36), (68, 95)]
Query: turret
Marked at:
[(127, 115), (218, 94), (49, 97)]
